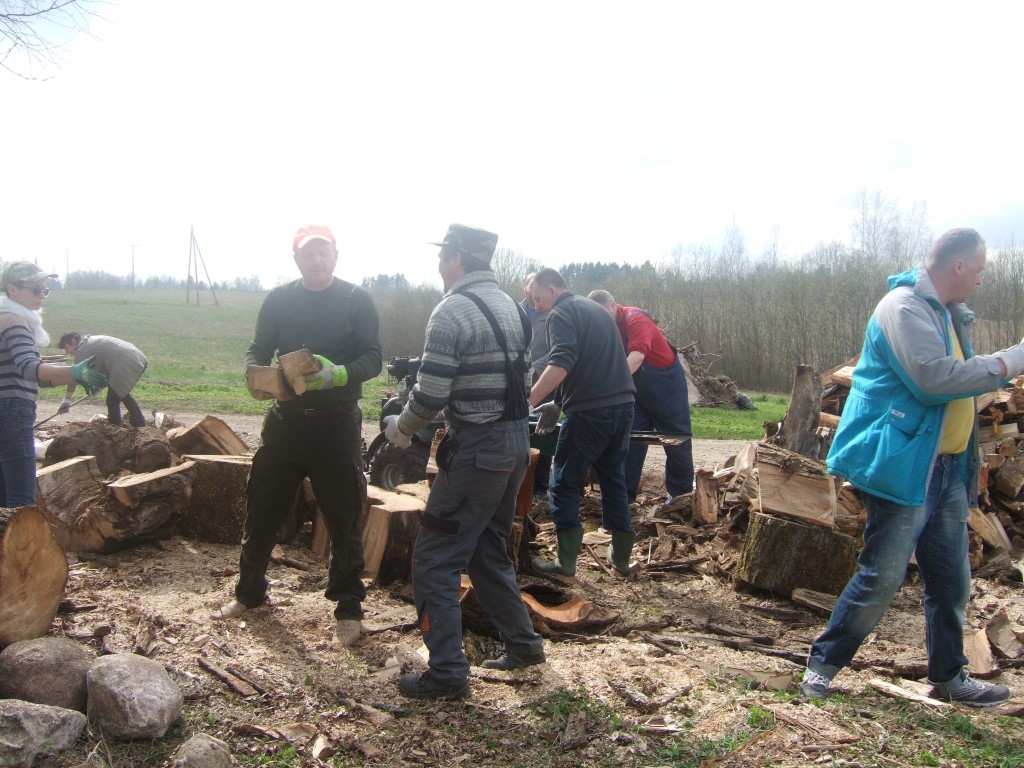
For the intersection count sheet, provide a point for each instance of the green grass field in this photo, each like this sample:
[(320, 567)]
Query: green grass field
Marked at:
[(195, 355)]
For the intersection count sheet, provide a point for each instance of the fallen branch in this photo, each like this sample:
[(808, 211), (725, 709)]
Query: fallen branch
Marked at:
[(597, 560), (238, 685)]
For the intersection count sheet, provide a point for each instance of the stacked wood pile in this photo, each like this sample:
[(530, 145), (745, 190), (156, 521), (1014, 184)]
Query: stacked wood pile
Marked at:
[(997, 523)]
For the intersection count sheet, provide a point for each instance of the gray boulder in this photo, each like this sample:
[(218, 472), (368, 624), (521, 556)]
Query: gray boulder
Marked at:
[(46, 670), (28, 730), (131, 697), (202, 751)]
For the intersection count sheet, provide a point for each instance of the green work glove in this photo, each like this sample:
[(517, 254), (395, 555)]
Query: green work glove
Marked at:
[(330, 376), (83, 373)]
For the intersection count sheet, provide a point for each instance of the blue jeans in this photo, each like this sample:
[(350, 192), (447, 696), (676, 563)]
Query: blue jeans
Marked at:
[(598, 437), (937, 532), (17, 452), (466, 526), (662, 405)]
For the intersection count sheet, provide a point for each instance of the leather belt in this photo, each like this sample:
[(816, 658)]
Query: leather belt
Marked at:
[(336, 410)]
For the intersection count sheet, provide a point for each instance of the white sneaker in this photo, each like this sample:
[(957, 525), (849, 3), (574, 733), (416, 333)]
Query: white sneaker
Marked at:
[(347, 631), (230, 610)]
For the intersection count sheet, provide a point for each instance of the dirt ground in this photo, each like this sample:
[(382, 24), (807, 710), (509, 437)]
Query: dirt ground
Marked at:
[(614, 694)]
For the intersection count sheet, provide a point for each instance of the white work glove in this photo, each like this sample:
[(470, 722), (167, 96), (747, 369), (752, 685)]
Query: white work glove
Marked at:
[(549, 413), (394, 435), (65, 406)]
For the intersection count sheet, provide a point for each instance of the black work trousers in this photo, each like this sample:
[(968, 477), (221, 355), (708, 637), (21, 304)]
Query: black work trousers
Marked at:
[(327, 449)]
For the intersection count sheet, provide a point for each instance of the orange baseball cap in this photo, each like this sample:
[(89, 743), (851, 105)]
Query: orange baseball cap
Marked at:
[(312, 232)]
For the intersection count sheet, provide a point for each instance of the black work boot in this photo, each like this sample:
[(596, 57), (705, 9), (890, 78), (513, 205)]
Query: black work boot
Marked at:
[(509, 660), (570, 541), (423, 686)]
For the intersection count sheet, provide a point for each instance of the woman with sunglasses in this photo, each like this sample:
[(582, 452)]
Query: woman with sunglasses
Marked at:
[(21, 373)]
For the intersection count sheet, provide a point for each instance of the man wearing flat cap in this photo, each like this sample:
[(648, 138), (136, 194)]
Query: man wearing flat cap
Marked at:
[(319, 434), (475, 368)]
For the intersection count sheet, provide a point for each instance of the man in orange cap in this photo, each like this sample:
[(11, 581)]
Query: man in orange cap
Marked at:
[(319, 434)]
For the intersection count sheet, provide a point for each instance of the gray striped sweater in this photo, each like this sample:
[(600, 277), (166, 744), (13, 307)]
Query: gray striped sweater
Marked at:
[(19, 359), (463, 367)]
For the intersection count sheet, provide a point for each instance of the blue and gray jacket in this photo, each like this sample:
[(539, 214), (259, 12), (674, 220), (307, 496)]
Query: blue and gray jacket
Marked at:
[(889, 434)]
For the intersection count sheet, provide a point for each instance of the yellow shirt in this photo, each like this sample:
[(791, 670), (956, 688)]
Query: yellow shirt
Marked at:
[(959, 414)]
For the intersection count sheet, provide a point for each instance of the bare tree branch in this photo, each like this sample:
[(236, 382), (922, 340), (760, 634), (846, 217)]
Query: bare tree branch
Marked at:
[(32, 33)]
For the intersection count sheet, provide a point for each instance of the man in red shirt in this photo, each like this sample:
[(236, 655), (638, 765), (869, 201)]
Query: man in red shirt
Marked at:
[(662, 401)]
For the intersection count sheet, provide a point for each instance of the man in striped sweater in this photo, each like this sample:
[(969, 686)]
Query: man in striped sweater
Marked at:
[(474, 369)]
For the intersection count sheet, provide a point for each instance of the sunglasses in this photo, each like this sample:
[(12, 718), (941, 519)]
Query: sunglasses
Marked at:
[(36, 290)]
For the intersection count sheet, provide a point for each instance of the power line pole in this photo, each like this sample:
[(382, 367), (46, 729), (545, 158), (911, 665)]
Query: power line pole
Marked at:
[(133, 267)]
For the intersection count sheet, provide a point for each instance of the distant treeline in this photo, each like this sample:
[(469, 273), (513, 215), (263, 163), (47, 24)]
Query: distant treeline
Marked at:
[(757, 317), (92, 280)]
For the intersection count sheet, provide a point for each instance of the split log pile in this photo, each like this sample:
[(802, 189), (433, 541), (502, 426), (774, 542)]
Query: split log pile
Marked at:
[(105, 488), (997, 522)]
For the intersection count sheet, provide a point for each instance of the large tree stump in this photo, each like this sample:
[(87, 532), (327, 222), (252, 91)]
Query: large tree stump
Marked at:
[(781, 555), (116, 449), (208, 436), (217, 508), (33, 573)]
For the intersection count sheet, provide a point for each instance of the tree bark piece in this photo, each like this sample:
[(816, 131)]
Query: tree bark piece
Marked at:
[(33, 574), (781, 555), (989, 528), (208, 436), (800, 427), (795, 487), (218, 505)]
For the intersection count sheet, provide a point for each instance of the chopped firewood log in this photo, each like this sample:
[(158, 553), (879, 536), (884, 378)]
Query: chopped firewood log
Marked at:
[(795, 486), (173, 481), (207, 436), (267, 382), (705, 498), (116, 449), (799, 431), (1004, 641), (389, 533), (979, 654), (33, 573), (295, 365), (989, 528), (781, 555), (822, 601)]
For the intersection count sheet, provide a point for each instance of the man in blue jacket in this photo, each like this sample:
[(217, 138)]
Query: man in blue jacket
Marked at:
[(908, 442)]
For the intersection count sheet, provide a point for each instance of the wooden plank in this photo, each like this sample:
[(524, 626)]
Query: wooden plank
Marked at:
[(821, 601), (907, 695), (987, 525), (173, 481)]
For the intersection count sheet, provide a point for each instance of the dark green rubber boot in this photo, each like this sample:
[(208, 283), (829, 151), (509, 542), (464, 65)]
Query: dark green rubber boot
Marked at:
[(570, 541), (619, 551)]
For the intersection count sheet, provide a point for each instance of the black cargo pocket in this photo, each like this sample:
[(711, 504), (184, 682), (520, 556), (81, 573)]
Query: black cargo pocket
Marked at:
[(445, 452)]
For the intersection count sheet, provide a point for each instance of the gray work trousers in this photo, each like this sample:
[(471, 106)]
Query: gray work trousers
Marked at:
[(466, 526)]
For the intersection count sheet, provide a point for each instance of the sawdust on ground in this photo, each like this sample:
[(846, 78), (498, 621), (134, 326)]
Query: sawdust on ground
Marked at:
[(157, 599)]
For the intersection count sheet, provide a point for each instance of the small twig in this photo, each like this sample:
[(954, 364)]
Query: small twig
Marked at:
[(246, 678), (597, 560)]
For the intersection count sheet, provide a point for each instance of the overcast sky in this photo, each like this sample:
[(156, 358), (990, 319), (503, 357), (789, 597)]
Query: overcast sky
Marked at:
[(575, 130)]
